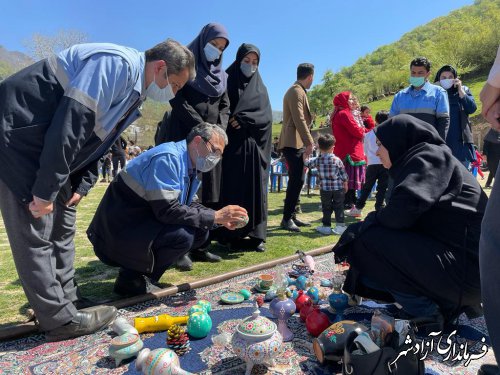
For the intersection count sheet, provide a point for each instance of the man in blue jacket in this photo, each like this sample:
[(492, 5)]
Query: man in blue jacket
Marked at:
[(147, 218), (57, 118)]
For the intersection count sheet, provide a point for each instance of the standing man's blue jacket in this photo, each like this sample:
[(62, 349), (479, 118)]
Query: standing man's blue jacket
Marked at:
[(154, 190), (59, 115)]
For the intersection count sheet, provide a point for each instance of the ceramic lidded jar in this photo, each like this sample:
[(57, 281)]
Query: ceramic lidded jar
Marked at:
[(159, 362), (256, 341), (125, 346)]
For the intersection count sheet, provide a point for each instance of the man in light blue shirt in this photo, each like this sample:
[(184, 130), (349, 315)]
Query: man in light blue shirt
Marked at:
[(422, 99), (57, 118)]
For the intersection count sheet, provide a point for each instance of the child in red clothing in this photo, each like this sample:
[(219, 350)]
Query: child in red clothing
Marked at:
[(367, 118)]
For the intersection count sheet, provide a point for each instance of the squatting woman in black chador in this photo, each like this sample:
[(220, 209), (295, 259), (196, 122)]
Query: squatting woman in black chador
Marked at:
[(421, 250)]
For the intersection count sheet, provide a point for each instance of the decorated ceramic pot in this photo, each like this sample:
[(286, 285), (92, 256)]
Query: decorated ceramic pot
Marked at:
[(159, 362), (330, 343), (306, 309), (199, 325), (316, 321), (196, 308), (283, 308), (302, 299), (207, 305), (313, 293), (122, 325), (125, 346), (257, 341)]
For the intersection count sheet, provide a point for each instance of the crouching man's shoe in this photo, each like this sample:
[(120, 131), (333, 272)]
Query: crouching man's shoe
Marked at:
[(85, 322), (488, 370), (203, 255), (184, 263), (130, 283)]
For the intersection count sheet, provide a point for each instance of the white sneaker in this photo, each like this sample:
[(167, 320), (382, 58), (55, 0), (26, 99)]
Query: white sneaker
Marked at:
[(324, 230), (339, 229), (354, 212)]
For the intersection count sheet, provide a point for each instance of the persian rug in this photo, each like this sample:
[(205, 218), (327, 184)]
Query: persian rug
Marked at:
[(463, 353)]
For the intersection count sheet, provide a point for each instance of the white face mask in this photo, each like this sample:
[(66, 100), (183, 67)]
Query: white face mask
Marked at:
[(207, 163), (160, 95), (212, 53), (446, 83)]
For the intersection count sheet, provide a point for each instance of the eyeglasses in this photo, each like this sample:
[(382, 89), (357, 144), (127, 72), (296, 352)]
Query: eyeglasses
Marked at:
[(213, 149)]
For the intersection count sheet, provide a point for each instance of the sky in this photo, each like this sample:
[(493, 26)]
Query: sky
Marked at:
[(331, 34)]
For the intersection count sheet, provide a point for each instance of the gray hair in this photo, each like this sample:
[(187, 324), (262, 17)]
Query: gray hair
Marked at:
[(176, 56), (206, 131)]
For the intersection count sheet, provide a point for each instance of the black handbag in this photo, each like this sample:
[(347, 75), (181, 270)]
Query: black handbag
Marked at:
[(383, 361)]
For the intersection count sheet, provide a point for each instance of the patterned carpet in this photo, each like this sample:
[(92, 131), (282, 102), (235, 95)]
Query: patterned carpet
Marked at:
[(89, 354)]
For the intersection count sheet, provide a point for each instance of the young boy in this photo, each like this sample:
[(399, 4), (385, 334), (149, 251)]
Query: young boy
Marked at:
[(333, 185), (375, 172)]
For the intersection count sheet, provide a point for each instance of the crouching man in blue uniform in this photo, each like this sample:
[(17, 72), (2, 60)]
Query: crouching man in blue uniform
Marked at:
[(57, 118), (147, 218)]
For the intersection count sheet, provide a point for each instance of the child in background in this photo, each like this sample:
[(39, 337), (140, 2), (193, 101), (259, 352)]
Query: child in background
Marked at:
[(375, 172), (333, 185), (367, 118), (476, 164), (106, 167)]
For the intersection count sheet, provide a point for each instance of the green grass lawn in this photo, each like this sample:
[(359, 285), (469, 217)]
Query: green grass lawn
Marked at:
[(96, 279)]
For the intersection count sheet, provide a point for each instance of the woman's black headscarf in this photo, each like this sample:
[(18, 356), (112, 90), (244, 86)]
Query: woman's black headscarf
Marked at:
[(210, 78), (445, 68), (422, 164)]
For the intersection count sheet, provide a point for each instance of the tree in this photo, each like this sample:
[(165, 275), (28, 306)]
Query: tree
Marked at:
[(42, 46)]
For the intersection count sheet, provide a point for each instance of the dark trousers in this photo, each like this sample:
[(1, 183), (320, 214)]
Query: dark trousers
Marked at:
[(374, 173), (350, 198), (332, 201), (173, 242), (295, 163), (115, 160)]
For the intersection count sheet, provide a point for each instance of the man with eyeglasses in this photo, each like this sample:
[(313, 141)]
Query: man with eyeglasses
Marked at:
[(57, 118), (147, 218)]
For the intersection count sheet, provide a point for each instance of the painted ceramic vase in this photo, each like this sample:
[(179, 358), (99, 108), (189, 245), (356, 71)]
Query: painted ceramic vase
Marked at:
[(121, 326), (329, 345), (302, 299), (282, 308), (199, 325), (159, 362), (196, 308), (306, 309), (257, 341), (125, 346), (338, 302), (313, 293), (317, 321), (207, 305)]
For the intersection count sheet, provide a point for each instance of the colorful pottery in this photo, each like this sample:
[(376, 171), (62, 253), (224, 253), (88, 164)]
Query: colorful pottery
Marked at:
[(159, 362), (329, 345), (125, 346), (245, 293), (121, 326), (232, 298), (302, 298), (317, 322), (199, 325), (282, 308), (338, 302), (256, 341), (307, 260), (306, 309), (158, 323), (313, 293), (196, 308), (265, 281), (207, 305)]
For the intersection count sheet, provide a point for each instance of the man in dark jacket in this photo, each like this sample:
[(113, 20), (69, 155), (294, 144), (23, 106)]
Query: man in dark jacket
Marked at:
[(57, 118), (147, 219)]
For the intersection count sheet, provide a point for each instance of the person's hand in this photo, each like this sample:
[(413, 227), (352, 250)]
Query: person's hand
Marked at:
[(346, 186), (307, 153), (458, 84), (39, 207), (234, 123), (493, 115), (230, 216), (74, 200), (488, 96)]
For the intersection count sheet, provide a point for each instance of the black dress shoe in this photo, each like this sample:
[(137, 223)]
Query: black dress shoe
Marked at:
[(130, 283), (289, 225), (428, 324), (300, 223), (203, 255), (84, 302), (488, 370), (184, 263), (83, 323), (260, 248)]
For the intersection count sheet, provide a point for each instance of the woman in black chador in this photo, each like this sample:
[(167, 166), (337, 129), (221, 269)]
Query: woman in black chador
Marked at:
[(421, 250), (245, 165)]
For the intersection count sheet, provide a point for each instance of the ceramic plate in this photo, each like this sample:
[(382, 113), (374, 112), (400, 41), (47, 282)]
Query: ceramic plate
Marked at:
[(259, 289), (232, 298)]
